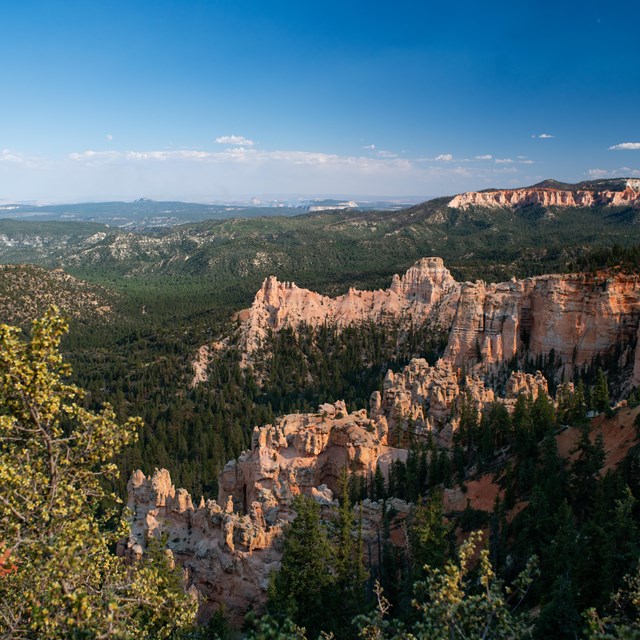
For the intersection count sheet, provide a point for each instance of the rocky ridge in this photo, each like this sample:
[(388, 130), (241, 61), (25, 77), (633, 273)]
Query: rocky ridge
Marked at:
[(46, 287), (577, 316), (426, 288), (428, 397), (228, 547), (549, 197)]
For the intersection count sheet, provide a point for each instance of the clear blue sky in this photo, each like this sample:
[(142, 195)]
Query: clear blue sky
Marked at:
[(206, 100)]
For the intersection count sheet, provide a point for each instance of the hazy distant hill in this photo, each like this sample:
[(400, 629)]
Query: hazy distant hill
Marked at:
[(146, 214), (327, 250)]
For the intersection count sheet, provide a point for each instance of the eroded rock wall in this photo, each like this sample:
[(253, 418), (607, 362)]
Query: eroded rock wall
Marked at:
[(579, 316), (514, 198), (427, 289), (227, 548), (427, 398)]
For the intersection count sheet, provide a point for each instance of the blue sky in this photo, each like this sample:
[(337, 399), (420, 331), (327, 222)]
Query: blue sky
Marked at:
[(214, 100)]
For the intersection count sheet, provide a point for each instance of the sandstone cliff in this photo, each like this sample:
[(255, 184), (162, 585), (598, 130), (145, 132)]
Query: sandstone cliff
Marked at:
[(426, 289), (225, 555), (578, 316), (428, 397), (546, 197)]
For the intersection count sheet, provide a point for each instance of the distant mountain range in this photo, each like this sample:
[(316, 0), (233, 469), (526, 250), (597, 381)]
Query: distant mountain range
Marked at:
[(145, 214)]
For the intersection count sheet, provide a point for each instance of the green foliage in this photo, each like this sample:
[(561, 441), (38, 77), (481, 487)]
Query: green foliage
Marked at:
[(321, 584), (462, 602), (429, 535), (302, 589), (600, 396), (67, 582)]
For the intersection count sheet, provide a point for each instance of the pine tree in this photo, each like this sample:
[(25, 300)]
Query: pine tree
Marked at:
[(600, 395), (586, 469), (559, 618), (379, 491), (429, 534), (301, 590), (348, 569)]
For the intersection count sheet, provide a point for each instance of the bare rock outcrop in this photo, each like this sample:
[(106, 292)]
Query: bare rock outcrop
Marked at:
[(548, 197), (426, 289), (426, 399), (227, 548), (301, 452), (225, 555), (635, 380), (578, 316)]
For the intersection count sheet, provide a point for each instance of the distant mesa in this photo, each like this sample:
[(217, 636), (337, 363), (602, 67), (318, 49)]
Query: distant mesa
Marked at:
[(621, 192)]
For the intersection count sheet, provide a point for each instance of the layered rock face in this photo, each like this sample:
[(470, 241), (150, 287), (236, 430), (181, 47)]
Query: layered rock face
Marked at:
[(425, 288), (226, 556), (578, 316), (514, 198), (635, 380), (228, 548), (301, 452)]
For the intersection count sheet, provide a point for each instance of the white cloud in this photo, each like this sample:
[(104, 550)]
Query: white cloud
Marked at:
[(624, 146), (613, 173), (244, 155), (386, 154), (520, 160), (6, 155), (92, 156), (9, 157), (168, 155), (239, 140), (370, 147), (542, 136), (201, 175), (109, 137)]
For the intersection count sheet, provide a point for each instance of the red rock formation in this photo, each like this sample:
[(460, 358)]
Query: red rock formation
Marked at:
[(546, 197), (225, 555), (578, 316), (228, 548), (425, 288), (300, 452), (428, 397), (635, 379)]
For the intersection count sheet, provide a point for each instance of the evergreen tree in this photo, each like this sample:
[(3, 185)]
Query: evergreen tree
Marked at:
[(348, 569), (600, 395), (429, 534), (559, 618), (379, 491), (301, 590), (585, 470)]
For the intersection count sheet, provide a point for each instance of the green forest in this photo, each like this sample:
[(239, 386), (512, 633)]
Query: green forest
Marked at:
[(558, 553)]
